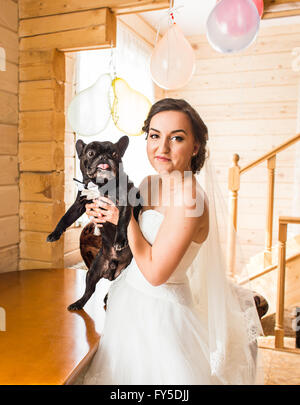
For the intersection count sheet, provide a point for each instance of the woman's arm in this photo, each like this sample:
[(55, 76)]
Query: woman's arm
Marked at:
[(157, 262)]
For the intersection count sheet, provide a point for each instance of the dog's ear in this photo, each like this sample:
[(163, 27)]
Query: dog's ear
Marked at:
[(79, 147), (122, 144)]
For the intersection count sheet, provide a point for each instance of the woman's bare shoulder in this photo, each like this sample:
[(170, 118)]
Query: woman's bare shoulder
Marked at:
[(192, 196), (197, 208)]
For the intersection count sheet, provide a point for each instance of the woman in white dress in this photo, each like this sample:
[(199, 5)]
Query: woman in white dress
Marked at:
[(153, 332)]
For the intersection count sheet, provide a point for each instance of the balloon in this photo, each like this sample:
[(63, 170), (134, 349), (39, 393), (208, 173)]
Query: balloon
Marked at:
[(260, 6), (173, 60), (89, 112), (130, 108), (232, 25)]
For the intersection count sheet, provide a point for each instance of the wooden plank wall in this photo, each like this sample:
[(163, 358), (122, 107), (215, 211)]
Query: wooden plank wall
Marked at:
[(41, 155), (9, 173), (249, 103), (71, 241)]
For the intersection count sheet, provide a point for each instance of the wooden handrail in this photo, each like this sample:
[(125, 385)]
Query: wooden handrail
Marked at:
[(267, 270), (289, 220), (282, 236), (270, 154), (234, 175)]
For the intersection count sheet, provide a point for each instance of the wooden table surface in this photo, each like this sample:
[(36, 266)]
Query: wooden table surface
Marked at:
[(43, 342)]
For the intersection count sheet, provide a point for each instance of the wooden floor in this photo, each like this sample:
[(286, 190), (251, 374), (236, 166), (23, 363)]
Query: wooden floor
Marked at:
[(281, 367), (43, 342)]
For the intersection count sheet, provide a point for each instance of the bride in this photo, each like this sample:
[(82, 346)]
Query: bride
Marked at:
[(172, 315)]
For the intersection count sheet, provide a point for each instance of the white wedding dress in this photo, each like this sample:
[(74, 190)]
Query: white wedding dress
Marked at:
[(152, 334)]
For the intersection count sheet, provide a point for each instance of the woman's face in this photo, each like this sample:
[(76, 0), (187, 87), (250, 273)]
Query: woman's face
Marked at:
[(170, 142)]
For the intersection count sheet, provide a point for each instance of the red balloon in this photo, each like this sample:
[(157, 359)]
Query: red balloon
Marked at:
[(260, 6)]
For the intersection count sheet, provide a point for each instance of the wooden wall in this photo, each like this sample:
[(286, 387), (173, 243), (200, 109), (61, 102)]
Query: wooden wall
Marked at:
[(9, 192), (41, 155), (249, 103), (72, 234)]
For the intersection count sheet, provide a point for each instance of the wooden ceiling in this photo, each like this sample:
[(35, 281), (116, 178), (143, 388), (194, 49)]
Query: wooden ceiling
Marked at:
[(281, 8), (39, 8)]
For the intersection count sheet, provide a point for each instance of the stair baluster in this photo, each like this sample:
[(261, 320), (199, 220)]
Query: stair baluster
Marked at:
[(233, 186), (270, 209)]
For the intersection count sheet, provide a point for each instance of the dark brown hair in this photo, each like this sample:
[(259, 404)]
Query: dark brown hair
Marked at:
[(199, 128)]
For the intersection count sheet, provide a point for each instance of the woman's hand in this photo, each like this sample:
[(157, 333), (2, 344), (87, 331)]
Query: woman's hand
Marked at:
[(102, 210)]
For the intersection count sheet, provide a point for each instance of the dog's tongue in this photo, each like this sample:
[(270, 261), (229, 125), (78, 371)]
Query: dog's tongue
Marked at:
[(103, 166)]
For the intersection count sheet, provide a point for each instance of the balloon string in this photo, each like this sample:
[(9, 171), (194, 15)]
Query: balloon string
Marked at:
[(170, 13), (112, 62)]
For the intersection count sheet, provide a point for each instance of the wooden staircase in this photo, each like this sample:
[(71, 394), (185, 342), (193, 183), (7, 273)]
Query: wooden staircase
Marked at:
[(264, 279), (273, 273)]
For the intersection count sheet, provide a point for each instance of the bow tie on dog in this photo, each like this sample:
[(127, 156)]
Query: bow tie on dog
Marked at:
[(91, 193), (107, 254)]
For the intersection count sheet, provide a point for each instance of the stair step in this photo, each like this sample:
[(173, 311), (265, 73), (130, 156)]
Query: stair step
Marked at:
[(268, 342), (257, 261)]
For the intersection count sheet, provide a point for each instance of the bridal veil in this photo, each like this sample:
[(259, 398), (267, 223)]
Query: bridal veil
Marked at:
[(229, 309)]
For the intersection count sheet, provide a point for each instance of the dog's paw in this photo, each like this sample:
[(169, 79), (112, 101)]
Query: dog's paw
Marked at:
[(121, 244), (75, 306), (52, 237)]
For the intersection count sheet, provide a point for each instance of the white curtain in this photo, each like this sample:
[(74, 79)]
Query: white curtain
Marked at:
[(132, 62)]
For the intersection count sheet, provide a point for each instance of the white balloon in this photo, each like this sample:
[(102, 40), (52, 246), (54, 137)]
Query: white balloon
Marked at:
[(90, 110), (173, 60)]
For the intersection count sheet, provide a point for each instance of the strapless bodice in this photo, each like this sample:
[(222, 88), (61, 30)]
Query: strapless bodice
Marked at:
[(150, 221)]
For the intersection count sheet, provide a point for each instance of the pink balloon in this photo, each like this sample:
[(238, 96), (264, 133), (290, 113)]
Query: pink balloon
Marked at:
[(232, 25), (173, 60), (235, 17), (259, 5)]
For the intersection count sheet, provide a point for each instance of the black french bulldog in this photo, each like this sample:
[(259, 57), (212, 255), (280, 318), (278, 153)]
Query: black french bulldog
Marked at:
[(101, 164)]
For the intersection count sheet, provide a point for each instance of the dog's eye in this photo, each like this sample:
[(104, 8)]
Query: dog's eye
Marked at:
[(114, 155), (90, 153)]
